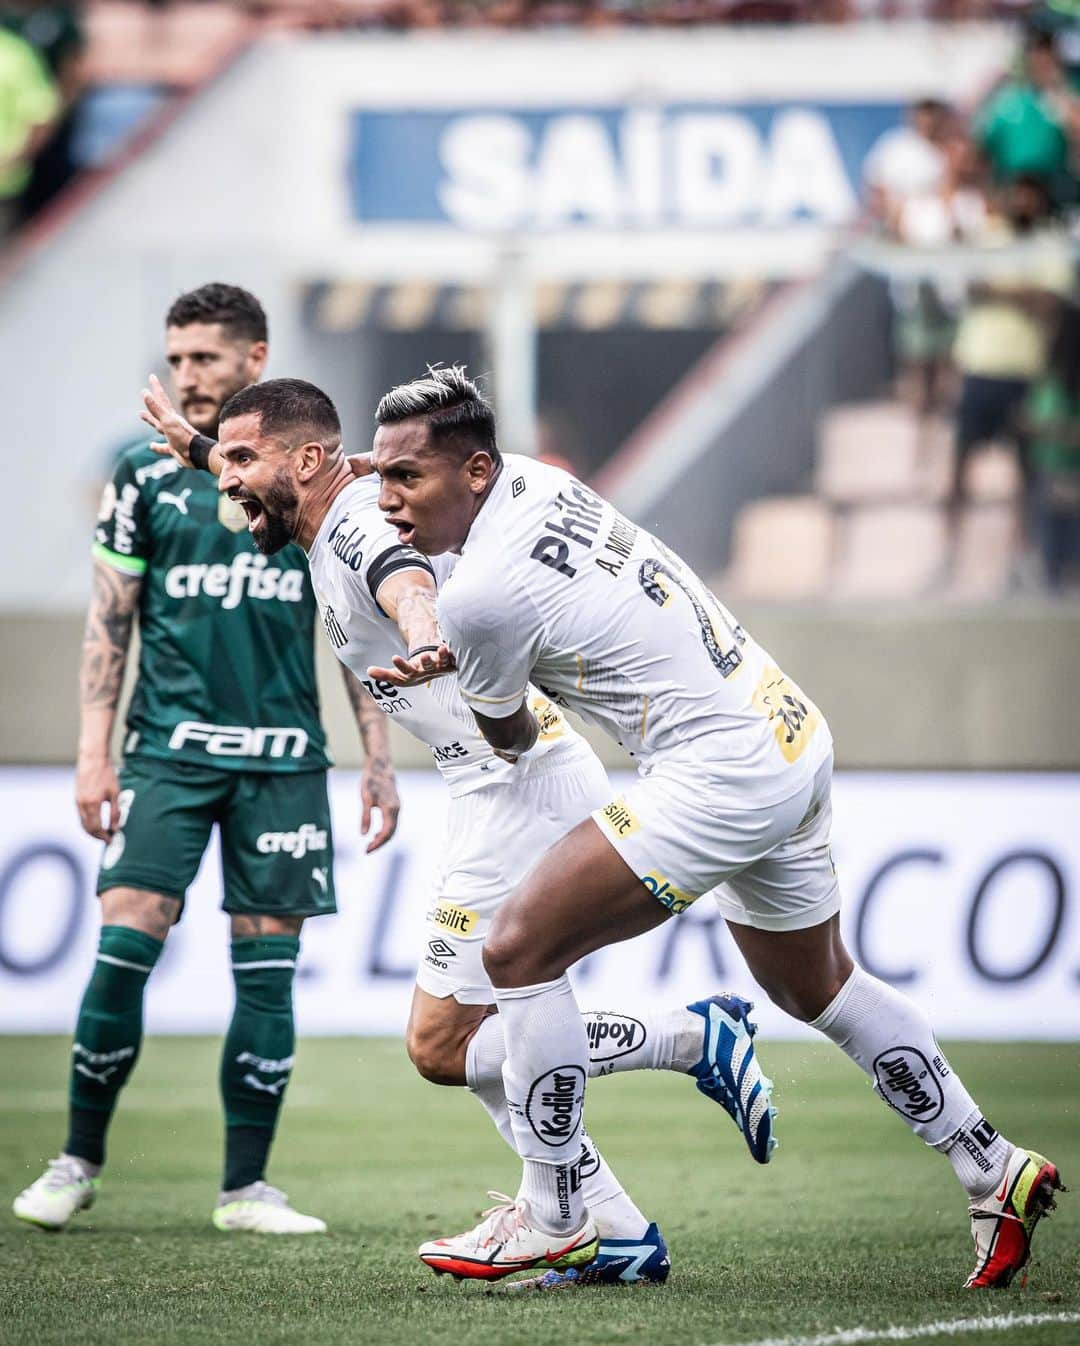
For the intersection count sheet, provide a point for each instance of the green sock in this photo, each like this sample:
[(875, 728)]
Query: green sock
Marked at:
[(107, 1036), (258, 1053)]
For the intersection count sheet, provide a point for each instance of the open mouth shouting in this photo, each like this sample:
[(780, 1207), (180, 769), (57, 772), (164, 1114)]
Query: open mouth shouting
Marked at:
[(251, 506), (406, 531)]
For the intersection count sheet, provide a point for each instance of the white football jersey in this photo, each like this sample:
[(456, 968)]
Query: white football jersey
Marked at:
[(354, 551), (555, 586)]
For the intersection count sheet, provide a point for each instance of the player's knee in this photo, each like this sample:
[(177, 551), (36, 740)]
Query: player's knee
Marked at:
[(506, 956), (137, 909), (804, 1001), (434, 1057)]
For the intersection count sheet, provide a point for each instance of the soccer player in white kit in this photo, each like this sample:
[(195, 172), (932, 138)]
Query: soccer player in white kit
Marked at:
[(280, 457), (554, 587)]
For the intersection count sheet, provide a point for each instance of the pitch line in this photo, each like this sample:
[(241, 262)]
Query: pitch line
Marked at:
[(949, 1327)]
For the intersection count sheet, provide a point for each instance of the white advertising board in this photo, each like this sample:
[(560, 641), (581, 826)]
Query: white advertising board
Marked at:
[(960, 888)]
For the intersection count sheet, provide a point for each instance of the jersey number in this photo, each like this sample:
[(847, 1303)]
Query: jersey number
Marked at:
[(725, 661)]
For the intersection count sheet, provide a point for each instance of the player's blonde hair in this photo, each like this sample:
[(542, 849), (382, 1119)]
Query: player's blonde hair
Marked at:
[(456, 411)]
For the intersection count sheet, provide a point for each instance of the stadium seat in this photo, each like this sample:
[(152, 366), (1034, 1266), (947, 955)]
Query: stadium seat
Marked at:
[(890, 551), (178, 46), (879, 451), (781, 549)]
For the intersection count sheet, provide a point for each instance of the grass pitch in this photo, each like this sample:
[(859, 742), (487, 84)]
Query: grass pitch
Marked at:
[(853, 1225)]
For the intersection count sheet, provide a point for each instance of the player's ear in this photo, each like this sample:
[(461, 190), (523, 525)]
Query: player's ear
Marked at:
[(256, 359), (309, 458), (478, 471)]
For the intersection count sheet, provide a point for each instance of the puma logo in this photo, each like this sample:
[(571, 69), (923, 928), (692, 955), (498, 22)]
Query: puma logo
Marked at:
[(319, 875), (102, 1077), (180, 501), (274, 1087)]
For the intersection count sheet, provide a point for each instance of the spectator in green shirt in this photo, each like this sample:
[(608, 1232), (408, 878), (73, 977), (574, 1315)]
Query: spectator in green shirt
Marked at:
[(29, 103), (55, 31), (1032, 122), (1052, 420)]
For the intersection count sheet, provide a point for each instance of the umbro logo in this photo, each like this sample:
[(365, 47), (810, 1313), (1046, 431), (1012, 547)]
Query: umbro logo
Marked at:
[(517, 486), (441, 949)]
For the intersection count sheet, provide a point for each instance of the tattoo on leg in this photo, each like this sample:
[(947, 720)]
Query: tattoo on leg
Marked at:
[(247, 926)]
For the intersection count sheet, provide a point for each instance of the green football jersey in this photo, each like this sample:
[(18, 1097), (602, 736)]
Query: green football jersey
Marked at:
[(227, 660)]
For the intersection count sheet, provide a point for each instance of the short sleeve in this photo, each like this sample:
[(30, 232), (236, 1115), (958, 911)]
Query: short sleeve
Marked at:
[(122, 537), (495, 638), (385, 555)]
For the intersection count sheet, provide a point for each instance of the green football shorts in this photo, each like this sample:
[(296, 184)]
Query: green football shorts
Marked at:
[(277, 850)]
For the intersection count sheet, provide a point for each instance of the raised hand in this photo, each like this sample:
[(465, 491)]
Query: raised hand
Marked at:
[(421, 666), (160, 414)]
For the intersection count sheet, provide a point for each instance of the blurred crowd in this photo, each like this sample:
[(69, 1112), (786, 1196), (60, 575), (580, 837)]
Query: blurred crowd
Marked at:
[(41, 48), (998, 351), (609, 13)]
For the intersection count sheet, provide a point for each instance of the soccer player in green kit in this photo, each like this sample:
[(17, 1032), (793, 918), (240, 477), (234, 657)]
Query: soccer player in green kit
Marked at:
[(224, 728)]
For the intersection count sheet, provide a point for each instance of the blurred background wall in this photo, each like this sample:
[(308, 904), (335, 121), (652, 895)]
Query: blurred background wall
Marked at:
[(794, 283), (758, 275)]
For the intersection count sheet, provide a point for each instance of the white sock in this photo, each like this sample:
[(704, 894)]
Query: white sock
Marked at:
[(669, 1040), (547, 1055), (616, 1215), (890, 1038), (979, 1154)]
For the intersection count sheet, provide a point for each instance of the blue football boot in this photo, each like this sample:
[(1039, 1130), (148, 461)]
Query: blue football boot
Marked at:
[(729, 1074), (642, 1261)]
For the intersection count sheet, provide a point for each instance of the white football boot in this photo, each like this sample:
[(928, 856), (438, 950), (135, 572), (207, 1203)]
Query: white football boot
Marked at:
[(262, 1209), (505, 1241), (66, 1187)]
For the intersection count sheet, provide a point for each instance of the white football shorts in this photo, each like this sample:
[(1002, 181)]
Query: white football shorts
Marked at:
[(493, 838), (770, 868)]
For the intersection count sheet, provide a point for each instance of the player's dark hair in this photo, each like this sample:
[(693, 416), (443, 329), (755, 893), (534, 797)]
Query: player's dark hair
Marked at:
[(456, 411), (287, 408), (239, 312)]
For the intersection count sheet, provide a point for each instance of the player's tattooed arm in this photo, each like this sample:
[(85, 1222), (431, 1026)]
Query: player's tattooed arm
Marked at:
[(106, 639), (408, 596), (378, 787)]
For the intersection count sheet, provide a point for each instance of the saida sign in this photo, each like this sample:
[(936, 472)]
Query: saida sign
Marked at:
[(767, 165)]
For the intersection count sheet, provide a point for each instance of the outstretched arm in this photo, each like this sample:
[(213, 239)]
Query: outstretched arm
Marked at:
[(107, 637), (378, 788), (408, 597)]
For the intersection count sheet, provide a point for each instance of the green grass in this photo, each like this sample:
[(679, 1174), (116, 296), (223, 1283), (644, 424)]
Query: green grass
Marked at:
[(854, 1223)]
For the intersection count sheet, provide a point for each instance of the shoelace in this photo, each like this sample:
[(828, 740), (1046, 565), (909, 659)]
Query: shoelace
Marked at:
[(62, 1173), (262, 1191), (500, 1222)]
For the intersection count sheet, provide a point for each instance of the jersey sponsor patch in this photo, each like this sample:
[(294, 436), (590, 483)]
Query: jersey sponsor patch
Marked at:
[(237, 740), (452, 918), (667, 894), (793, 716), (619, 819), (548, 717), (307, 837), (248, 575)]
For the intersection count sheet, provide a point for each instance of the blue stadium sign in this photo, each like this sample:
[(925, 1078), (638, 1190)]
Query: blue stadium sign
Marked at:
[(697, 166)]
